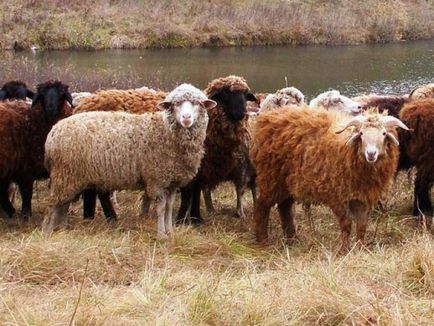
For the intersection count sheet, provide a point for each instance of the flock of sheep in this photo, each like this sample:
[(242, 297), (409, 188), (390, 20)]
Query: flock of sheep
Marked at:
[(336, 151)]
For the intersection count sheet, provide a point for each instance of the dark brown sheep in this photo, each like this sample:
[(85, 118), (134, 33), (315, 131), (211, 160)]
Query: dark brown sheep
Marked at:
[(417, 149), (226, 143), (15, 90), (392, 103), (23, 130)]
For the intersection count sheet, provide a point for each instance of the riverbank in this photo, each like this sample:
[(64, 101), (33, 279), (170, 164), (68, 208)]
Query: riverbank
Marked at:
[(84, 24)]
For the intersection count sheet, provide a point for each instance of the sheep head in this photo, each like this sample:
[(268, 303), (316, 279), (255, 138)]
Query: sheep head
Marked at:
[(52, 95), (185, 104), (372, 133), (15, 90), (334, 100), (231, 93)]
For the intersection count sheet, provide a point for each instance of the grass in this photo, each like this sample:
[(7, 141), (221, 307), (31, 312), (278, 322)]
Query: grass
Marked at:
[(98, 24), (215, 274)]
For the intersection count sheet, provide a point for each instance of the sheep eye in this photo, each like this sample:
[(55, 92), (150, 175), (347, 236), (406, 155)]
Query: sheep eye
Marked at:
[(361, 133), (384, 133)]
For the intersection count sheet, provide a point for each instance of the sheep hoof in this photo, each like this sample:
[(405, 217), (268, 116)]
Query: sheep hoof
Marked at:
[(196, 221), (240, 215)]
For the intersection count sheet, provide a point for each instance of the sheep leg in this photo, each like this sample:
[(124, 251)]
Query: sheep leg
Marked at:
[(146, 204), (107, 205), (286, 213), (195, 217), (5, 204), (254, 193), (422, 201), (360, 214), (261, 216), (160, 209), (57, 220), (345, 226), (169, 211), (89, 203), (185, 205), (240, 207), (208, 200), (26, 190)]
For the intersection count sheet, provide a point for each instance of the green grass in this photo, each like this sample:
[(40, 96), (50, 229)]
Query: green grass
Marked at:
[(98, 24)]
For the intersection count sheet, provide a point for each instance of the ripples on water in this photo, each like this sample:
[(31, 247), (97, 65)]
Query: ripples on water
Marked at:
[(354, 70)]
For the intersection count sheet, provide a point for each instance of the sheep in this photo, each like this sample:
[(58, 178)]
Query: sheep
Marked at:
[(334, 100), (15, 90), (158, 151), (226, 146), (425, 91), (289, 96), (392, 103), (23, 130), (313, 157), (417, 150), (138, 101)]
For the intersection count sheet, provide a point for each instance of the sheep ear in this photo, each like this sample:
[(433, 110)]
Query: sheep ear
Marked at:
[(2, 95), (209, 104), (251, 97), (392, 138), (30, 94), (68, 98), (163, 106)]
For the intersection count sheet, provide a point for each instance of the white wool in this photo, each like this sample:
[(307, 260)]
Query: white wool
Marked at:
[(185, 92)]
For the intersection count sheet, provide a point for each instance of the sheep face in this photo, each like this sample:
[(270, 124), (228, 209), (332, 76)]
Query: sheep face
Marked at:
[(333, 100), (15, 90), (233, 102), (52, 97), (186, 112), (372, 136)]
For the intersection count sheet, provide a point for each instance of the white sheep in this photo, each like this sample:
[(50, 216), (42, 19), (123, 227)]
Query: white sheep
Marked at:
[(157, 152), (334, 100), (289, 96)]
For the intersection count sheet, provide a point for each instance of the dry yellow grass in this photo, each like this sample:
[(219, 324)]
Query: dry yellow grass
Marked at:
[(215, 274)]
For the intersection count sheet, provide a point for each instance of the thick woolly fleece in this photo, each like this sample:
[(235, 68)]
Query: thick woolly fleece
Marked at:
[(417, 149), (298, 153), (426, 91), (116, 150), (226, 141), (133, 101)]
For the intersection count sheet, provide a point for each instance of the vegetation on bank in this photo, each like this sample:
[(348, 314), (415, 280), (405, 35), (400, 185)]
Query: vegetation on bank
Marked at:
[(100, 24)]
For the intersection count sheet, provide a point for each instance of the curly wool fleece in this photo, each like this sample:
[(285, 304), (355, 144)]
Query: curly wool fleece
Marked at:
[(117, 150)]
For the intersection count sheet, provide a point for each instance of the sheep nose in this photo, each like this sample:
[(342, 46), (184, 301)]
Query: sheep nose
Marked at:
[(371, 154), (186, 116)]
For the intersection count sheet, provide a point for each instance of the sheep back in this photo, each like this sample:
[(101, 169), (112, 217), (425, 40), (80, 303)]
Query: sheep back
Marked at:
[(133, 101)]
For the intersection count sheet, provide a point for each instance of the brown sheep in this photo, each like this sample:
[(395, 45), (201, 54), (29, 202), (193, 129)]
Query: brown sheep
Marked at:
[(417, 147), (226, 145), (132, 101), (300, 155), (23, 130)]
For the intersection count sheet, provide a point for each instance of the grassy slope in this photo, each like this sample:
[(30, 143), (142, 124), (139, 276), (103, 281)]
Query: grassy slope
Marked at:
[(216, 274), (96, 24)]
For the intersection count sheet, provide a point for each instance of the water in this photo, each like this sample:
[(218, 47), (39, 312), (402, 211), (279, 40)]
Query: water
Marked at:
[(389, 68)]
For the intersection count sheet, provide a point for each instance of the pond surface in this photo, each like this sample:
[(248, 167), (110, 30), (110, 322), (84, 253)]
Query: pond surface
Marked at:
[(388, 68)]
